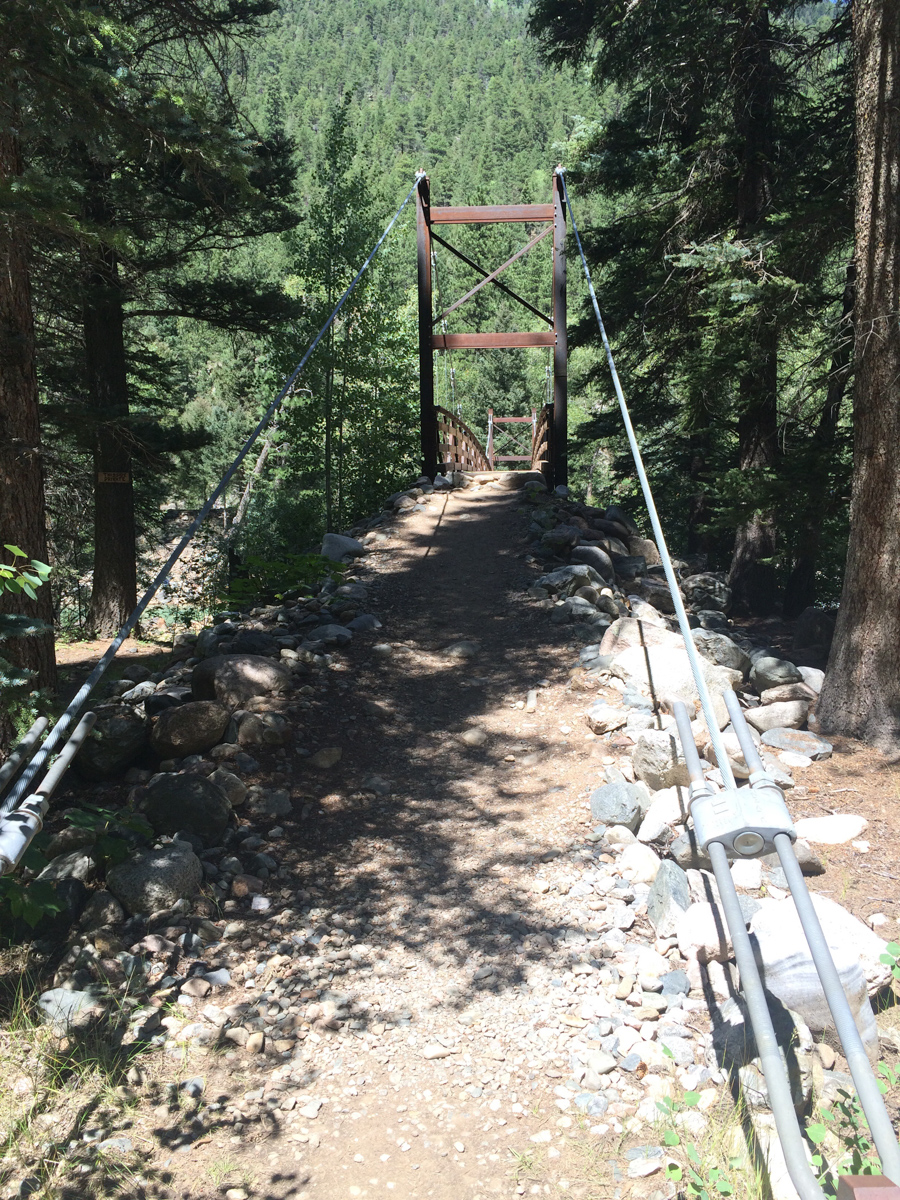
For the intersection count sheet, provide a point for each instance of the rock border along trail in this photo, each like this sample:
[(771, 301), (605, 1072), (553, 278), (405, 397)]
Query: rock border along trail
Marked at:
[(433, 974)]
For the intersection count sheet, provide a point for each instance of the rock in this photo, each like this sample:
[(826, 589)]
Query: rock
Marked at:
[(188, 729), (255, 1043), (618, 804), (834, 830), (251, 641), (814, 627), (565, 581), (116, 740), (234, 679), (710, 619), (474, 736), (364, 623), (596, 557), (604, 718), (702, 934), (721, 650), (790, 714), (644, 547), (639, 863), (655, 593), (746, 873), (731, 1046), (659, 761), (563, 537), (334, 635), (192, 803), (75, 865), (325, 759), (685, 851), (339, 548), (260, 729), (165, 698), (462, 649), (786, 692), (270, 804), (768, 672), (154, 879), (628, 632), (232, 788), (789, 973), (65, 1009), (102, 909), (669, 897), (667, 808), (666, 671), (707, 591), (813, 678), (798, 741)]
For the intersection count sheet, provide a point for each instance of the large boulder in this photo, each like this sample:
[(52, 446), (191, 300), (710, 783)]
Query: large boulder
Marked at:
[(595, 557), (565, 581), (173, 802), (628, 631), (117, 739), (789, 972), (644, 547), (815, 627), (788, 714), (339, 548), (720, 649), (768, 672), (666, 671), (154, 879), (189, 729), (234, 679), (707, 591), (798, 741)]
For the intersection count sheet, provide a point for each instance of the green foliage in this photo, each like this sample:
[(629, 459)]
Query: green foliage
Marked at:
[(21, 576), (110, 846), (847, 1122), (891, 958), (701, 1180), (263, 579), (28, 902)]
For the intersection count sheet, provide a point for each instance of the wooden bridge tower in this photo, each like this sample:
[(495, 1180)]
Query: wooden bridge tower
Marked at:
[(553, 219)]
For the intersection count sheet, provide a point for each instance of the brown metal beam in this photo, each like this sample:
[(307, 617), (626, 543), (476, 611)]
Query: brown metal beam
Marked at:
[(496, 282), (492, 278), (492, 341), (511, 420), (560, 349), (481, 213), (427, 415), (866, 1187)]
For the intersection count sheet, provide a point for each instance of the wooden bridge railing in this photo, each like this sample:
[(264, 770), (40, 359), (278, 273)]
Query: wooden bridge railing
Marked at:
[(460, 450), (458, 447)]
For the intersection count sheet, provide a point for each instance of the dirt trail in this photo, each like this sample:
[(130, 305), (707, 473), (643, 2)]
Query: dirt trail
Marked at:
[(425, 848)]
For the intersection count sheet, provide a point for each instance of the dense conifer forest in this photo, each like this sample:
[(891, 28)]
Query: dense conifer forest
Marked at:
[(186, 189)]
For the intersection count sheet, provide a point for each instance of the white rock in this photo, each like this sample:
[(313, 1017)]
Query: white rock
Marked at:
[(796, 761), (747, 873), (813, 678), (789, 714), (790, 974), (703, 934), (835, 830), (658, 760), (639, 863), (668, 807)]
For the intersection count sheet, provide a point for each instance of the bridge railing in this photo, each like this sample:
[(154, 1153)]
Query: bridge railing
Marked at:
[(542, 446), (458, 447)]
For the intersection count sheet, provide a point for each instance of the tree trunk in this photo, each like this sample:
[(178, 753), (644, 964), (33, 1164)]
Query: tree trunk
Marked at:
[(861, 696), (22, 518), (752, 580), (800, 591), (752, 575), (114, 594)]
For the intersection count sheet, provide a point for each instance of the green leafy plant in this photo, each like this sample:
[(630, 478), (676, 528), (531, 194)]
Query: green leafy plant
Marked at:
[(847, 1121), (32, 901), (20, 577), (109, 845), (891, 958), (701, 1180), (271, 578)]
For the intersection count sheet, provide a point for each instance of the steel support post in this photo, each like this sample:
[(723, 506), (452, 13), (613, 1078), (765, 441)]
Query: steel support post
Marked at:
[(560, 458), (427, 414)]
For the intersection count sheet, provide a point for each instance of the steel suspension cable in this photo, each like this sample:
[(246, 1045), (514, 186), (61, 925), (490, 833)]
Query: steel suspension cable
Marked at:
[(693, 657), (60, 730)]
